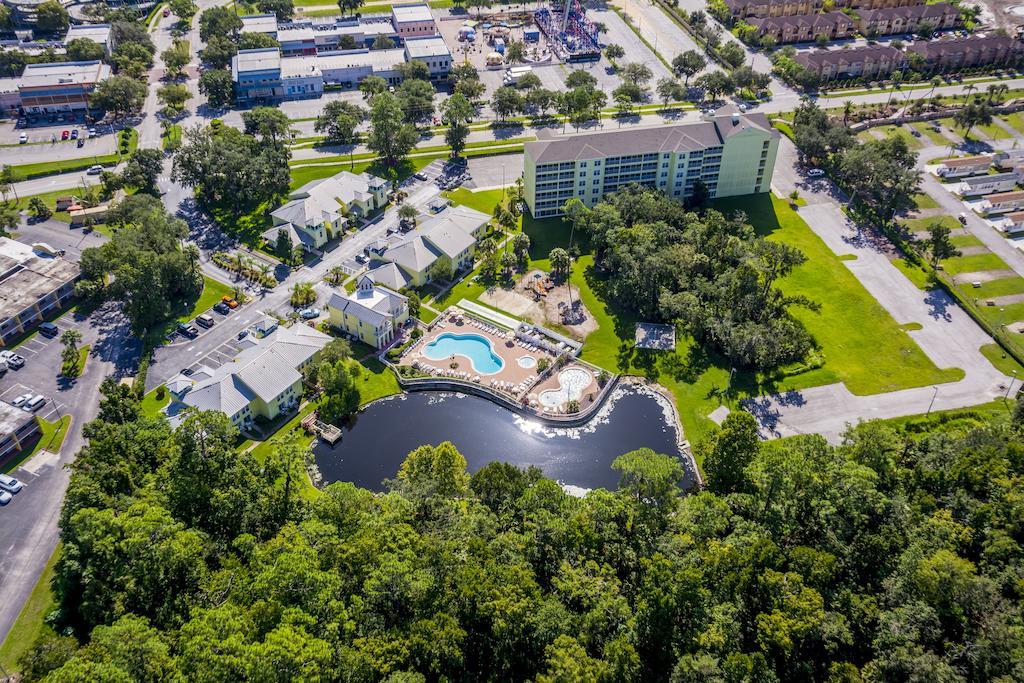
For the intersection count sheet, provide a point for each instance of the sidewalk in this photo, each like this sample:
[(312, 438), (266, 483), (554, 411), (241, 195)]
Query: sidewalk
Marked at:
[(948, 335)]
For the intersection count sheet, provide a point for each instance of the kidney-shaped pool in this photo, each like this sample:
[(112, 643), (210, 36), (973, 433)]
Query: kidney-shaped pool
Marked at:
[(475, 348)]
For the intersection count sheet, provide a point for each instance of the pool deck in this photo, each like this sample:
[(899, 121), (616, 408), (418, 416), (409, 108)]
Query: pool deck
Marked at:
[(509, 350)]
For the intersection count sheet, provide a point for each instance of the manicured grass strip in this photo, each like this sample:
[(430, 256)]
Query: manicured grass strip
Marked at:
[(966, 240), (30, 623), (902, 132), (79, 367), (1002, 315), (1002, 361), (172, 140), (970, 264), (1001, 287), (923, 224), (45, 168), (151, 404), (484, 200), (914, 272), (934, 137), (51, 438), (925, 201), (1016, 120), (994, 131), (213, 290)]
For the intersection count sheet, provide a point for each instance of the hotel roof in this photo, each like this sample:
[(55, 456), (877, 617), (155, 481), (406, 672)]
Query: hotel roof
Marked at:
[(370, 303), (406, 13), (63, 73), (682, 137), (26, 275), (378, 60)]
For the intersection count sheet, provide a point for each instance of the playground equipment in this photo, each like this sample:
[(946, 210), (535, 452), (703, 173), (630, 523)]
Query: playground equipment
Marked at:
[(569, 32)]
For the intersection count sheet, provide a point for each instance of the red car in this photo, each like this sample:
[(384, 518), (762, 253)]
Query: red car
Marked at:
[(64, 135)]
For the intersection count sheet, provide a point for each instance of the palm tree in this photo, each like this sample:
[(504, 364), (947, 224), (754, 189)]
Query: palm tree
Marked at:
[(847, 111), (239, 262), (191, 252), (897, 80), (968, 89)]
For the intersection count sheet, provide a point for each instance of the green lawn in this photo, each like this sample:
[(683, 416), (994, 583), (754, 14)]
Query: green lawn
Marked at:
[(213, 290), (924, 201), (994, 131), (1001, 287), (903, 132), (51, 438), (1002, 361), (172, 140), (484, 200), (925, 129), (79, 368), (914, 272), (30, 622), (923, 224), (151, 405), (1002, 315), (965, 240), (971, 264), (1016, 120)]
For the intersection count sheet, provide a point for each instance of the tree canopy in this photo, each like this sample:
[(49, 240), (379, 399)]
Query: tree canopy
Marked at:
[(885, 558), (707, 273)]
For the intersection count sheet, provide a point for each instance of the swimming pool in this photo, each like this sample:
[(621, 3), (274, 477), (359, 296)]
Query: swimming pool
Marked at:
[(527, 362), (571, 383), (472, 346)]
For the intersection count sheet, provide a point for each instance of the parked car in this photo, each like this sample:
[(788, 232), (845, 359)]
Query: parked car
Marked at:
[(186, 371), (5, 498), (420, 175), (360, 258), (9, 483), (34, 403), (188, 330), (48, 330), (962, 218), (13, 360), (815, 173), (231, 303), (74, 133), (221, 308), (65, 134), (23, 138), (309, 313), (92, 132), (205, 320), (19, 401), (243, 334)]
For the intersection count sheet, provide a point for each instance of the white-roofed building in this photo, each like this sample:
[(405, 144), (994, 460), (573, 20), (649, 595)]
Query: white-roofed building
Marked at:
[(413, 20), (264, 380), (452, 233), (372, 313), (260, 23), (316, 212), (60, 86), (97, 33), (433, 52)]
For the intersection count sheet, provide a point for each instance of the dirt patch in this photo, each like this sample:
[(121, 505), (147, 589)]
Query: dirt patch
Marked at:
[(544, 305)]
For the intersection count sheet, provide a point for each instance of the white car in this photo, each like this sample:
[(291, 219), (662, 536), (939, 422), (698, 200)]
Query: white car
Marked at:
[(309, 313), (23, 138), (20, 400), (10, 484), (95, 170), (815, 173), (5, 498)]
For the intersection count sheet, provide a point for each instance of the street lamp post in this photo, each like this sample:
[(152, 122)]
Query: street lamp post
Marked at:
[(932, 402), (1010, 385)]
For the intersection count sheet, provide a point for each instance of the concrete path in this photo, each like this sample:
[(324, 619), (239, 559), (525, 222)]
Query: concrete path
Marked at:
[(947, 334)]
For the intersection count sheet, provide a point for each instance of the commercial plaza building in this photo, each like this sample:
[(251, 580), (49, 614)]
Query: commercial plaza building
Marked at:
[(17, 428), (33, 285), (732, 154), (60, 86)]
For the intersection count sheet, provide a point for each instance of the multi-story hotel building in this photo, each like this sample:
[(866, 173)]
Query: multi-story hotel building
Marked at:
[(731, 154)]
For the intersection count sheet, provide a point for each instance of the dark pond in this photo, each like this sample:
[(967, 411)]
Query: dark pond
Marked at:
[(375, 444)]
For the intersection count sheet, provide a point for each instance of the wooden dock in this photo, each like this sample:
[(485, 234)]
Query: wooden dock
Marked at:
[(327, 432)]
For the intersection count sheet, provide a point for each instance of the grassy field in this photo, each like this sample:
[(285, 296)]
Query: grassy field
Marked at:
[(923, 224), (51, 438), (1001, 361), (966, 240), (1001, 287), (484, 200), (994, 131), (30, 624), (1016, 120), (213, 290), (79, 367), (970, 264), (925, 129), (925, 201), (151, 405), (172, 140)]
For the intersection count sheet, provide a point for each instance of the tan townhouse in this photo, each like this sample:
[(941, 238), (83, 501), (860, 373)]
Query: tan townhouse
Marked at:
[(805, 27), (957, 53), (872, 61), (889, 20)]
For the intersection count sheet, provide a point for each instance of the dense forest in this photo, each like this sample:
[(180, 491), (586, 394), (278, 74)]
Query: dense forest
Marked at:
[(895, 556), (706, 272)]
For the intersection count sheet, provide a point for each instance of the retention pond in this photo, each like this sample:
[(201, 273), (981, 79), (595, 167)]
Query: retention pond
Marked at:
[(378, 439)]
